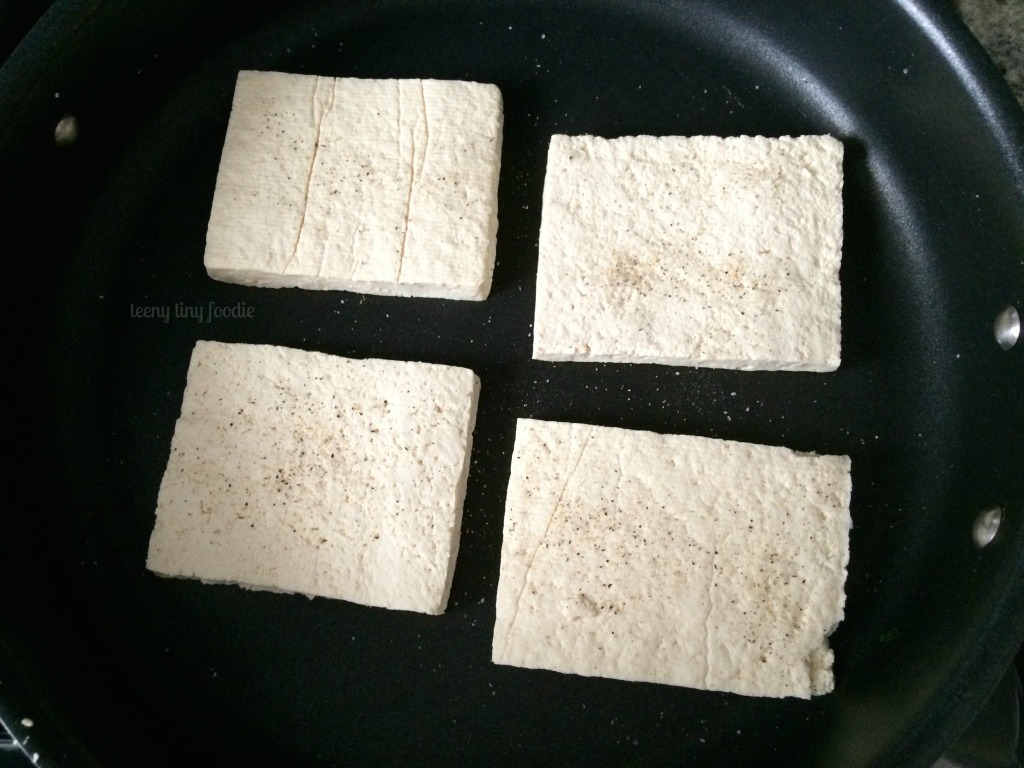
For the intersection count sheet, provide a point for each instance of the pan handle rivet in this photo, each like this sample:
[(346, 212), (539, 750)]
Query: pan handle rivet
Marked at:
[(66, 132), (1007, 327), (986, 524)]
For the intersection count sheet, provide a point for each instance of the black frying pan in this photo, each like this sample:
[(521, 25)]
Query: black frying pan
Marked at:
[(116, 666)]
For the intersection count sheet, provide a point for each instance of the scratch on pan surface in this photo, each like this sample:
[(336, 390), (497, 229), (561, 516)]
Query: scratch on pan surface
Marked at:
[(33, 757)]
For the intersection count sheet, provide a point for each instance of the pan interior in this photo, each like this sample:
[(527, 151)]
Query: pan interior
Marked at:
[(264, 675)]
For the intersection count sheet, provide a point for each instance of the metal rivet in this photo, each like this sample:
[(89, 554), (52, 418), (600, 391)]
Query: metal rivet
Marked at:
[(1007, 326), (66, 132), (986, 525)]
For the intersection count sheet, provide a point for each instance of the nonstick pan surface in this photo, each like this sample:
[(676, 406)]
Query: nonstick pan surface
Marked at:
[(113, 665)]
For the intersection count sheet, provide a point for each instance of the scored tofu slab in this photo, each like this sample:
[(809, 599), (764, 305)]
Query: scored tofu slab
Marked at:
[(672, 559), (303, 472), (705, 251), (376, 186)]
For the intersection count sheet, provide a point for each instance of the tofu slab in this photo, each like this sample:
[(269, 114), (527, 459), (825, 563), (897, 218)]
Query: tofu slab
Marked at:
[(303, 472), (704, 251), (672, 559), (376, 186)]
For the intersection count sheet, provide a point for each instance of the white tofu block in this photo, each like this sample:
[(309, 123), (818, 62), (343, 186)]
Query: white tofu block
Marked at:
[(303, 472), (705, 251), (672, 559), (376, 186)]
